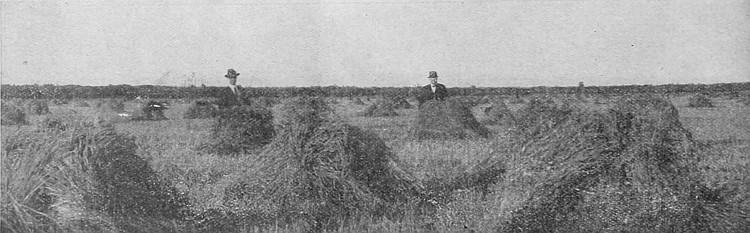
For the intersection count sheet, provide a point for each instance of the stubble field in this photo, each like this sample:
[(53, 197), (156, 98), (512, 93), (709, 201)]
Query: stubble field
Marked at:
[(171, 149)]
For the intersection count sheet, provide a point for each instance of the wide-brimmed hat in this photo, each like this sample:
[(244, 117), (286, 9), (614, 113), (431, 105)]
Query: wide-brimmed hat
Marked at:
[(433, 74), (231, 73)]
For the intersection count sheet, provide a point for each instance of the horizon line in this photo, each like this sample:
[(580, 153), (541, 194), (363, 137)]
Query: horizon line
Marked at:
[(472, 86)]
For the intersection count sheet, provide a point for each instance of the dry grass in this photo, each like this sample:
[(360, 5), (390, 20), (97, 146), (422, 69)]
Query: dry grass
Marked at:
[(633, 168), (241, 129), (476, 185), (36, 107), (381, 108), (126, 182), (399, 103), (319, 173), (151, 110), (498, 113), (726, 170), (516, 101), (485, 100), (59, 101), (357, 101), (88, 185), (81, 104), (52, 123), (200, 110), (700, 101), (12, 114), (266, 102), (448, 119), (538, 116), (472, 100), (110, 106), (745, 100), (29, 160), (308, 110)]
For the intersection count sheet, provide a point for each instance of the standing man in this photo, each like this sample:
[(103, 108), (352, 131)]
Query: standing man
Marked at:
[(232, 95), (432, 91)]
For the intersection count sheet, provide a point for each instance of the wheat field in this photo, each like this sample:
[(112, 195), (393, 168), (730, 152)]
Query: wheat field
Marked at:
[(172, 149)]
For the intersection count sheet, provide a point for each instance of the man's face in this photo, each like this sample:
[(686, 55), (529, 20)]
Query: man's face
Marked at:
[(433, 81), (233, 81)]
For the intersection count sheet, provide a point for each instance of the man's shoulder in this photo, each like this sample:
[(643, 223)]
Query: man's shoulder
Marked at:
[(440, 85)]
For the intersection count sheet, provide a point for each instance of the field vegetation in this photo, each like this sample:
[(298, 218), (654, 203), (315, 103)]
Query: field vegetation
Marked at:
[(530, 163)]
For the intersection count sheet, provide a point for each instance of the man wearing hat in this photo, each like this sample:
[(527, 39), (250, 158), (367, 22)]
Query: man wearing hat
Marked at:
[(432, 91), (232, 95)]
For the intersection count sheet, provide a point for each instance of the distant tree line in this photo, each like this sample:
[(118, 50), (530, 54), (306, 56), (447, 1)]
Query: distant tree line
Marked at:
[(49, 91)]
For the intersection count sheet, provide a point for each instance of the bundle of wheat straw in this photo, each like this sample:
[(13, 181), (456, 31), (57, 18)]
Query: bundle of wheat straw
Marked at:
[(630, 168), (200, 110), (448, 119), (321, 172)]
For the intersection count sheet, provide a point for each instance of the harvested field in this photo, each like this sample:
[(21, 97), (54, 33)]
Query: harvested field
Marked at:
[(446, 120), (52, 123), (200, 110), (399, 103), (499, 113), (319, 175), (358, 101), (381, 108), (81, 104), (110, 106), (265, 102), (312, 116), (12, 114), (516, 101), (318, 172), (629, 165), (59, 101), (36, 107), (304, 110), (745, 101), (537, 116), (700, 101), (151, 111), (241, 129)]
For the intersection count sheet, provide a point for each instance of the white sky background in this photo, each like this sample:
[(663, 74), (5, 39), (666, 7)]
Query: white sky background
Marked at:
[(376, 43)]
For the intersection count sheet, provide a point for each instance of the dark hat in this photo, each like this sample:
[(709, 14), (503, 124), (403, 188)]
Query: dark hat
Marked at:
[(231, 74), (433, 74)]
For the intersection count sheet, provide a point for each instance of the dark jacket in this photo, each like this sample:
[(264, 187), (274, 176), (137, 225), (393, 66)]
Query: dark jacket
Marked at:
[(227, 98), (426, 93)]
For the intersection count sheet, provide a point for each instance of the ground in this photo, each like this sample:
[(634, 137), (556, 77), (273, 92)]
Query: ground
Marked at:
[(170, 146)]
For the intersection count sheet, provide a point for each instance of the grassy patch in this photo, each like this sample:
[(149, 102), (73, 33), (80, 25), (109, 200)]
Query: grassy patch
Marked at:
[(450, 170)]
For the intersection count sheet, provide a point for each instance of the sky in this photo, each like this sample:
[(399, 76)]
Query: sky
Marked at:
[(503, 43)]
